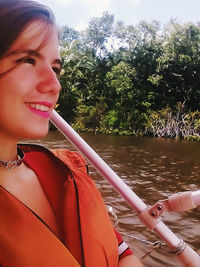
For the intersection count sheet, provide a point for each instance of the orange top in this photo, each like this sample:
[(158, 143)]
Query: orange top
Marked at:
[(87, 238)]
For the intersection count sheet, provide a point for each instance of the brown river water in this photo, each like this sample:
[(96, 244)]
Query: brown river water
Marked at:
[(154, 169)]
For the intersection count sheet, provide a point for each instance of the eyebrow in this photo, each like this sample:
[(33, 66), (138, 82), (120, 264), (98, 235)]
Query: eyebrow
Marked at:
[(34, 53)]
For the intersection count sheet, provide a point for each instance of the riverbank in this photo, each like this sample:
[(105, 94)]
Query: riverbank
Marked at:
[(163, 123), (117, 132)]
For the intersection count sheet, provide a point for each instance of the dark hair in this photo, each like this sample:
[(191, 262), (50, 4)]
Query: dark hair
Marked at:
[(15, 15)]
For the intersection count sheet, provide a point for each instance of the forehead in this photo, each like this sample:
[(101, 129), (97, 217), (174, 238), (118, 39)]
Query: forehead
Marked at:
[(35, 34)]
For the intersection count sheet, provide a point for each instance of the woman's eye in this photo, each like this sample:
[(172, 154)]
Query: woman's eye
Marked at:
[(56, 70), (29, 60)]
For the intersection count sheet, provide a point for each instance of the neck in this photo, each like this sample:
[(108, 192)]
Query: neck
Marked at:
[(8, 150)]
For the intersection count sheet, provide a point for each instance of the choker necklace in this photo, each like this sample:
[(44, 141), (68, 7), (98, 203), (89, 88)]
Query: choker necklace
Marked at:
[(15, 163)]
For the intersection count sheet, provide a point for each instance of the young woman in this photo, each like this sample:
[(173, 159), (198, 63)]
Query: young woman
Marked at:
[(51, 213)]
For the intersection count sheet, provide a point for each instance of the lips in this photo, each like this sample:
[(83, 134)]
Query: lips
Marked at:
[(42, 109), (38, 106)]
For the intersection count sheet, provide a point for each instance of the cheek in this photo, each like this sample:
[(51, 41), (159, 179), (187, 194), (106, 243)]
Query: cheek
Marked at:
[(6, 95), (16, 84), (8, 98), (11, 99)]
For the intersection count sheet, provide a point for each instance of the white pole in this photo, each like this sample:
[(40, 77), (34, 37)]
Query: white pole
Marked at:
[(186, 255), (196, 197)]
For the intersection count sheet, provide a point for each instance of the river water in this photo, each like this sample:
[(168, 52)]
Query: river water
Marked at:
[(155, 169)]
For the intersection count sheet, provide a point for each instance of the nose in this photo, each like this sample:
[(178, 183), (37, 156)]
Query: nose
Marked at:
[(48, 82)]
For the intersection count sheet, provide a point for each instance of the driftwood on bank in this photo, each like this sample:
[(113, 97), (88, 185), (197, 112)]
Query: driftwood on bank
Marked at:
[(178, 125)]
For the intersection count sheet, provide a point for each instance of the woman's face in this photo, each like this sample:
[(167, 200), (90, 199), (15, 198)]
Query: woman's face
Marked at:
[(29, 92)]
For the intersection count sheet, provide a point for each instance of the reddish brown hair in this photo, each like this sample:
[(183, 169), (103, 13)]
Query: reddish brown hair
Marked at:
[(15, 15)]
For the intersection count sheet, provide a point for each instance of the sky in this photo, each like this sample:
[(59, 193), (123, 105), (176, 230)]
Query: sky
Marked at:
[(77, 13)]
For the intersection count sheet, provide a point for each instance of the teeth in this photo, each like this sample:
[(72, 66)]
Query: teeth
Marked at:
[(39, 107)]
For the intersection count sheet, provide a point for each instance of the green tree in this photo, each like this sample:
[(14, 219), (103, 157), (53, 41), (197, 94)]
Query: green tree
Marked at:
[(178, 66), (67, 35), (96, 37)]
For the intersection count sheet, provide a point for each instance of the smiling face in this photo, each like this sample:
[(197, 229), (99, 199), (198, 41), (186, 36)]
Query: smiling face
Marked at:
[(29, 86)]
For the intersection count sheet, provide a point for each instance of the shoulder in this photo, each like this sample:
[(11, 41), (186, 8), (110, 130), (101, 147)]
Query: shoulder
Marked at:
[(72, 159)]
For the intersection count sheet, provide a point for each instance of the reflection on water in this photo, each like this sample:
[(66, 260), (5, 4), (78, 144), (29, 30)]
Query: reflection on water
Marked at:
[(154, 169)]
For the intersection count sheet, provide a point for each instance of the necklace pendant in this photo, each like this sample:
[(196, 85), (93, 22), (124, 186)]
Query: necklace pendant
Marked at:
[(11, 164)]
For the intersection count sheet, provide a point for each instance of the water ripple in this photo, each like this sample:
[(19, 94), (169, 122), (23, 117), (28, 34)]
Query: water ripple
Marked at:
[(154, 169)]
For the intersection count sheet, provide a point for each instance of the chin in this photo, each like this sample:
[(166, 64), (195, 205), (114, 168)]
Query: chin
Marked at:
[(36, 133)]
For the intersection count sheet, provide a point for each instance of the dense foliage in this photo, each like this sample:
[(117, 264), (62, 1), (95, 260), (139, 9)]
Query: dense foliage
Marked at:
[(140, 79)]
